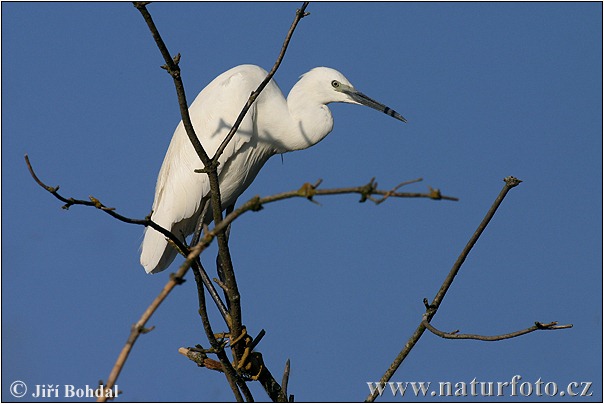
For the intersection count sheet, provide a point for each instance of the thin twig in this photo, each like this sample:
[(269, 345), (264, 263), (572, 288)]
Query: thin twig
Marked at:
[(174, 70), (256, 203), (510, 182), (393, 190), (454, 335), (139, 328), (285, 379), (300, 13), (307, 191)]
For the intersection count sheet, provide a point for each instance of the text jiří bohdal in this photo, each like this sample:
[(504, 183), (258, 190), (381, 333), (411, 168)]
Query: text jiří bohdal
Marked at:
[(71, 391)]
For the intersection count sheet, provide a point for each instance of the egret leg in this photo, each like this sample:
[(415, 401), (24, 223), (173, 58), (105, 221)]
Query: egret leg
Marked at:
[(205, 202), (219, 265), (204, 275)]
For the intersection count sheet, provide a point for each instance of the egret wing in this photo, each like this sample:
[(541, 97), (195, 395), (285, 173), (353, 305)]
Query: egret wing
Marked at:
[(179, 189)]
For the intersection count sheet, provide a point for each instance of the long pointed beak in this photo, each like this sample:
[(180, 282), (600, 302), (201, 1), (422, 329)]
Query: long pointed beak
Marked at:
[(362, 99)]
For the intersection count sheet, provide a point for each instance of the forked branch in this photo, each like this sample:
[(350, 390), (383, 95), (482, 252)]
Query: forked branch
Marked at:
[(432, 308)]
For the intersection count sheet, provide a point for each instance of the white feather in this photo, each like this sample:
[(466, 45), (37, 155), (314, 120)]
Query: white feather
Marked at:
[(273, 125)]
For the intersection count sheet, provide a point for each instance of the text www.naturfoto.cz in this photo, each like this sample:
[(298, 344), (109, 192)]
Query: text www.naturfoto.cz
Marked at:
[(476, 388)]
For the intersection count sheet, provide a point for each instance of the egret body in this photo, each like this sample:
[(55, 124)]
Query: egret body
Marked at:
[(273, 125)]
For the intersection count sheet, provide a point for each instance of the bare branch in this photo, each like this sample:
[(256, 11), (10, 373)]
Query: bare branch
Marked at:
[(300, 13), (93, 202), (510, 182), (139, 328), (454, 335), (172, 67), (393, 190), (307, 191)]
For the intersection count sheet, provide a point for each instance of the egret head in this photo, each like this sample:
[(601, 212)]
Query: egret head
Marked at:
[(329, 85)]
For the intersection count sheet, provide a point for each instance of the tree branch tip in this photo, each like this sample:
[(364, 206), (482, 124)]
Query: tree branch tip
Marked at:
[(144, 330), (201, 359), (302, 10), (429, 307), (219, 283), (258, 338), (552, 326), (285, 378), (140, 4), (512, 181), (52, 190)]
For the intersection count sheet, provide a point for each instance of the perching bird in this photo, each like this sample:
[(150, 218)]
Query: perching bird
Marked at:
[(273, 125)]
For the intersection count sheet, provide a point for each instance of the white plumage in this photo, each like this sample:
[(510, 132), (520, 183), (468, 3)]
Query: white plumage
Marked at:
[(272, 125)]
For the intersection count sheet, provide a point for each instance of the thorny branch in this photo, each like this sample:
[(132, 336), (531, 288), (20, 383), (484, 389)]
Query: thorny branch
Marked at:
[(431, 309)]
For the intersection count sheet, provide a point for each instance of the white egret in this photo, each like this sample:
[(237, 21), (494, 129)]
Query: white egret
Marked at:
[(272, 126)]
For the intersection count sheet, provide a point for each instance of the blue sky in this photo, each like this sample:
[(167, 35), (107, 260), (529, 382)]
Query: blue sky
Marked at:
[(489, 89)]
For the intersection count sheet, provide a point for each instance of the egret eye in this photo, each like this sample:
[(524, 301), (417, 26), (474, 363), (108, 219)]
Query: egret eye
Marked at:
[(335, 84)]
